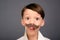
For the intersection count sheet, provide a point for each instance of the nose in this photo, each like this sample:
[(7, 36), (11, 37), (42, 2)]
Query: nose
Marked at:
[(32, 21)]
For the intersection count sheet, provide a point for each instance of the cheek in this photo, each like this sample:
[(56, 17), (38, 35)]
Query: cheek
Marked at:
[(26, 21), (38, 23)]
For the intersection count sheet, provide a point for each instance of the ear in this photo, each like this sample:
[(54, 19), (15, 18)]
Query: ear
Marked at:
[(22, 22), (43, 22)]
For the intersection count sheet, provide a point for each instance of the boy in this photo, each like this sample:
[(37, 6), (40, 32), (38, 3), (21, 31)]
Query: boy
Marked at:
[(32, 20)]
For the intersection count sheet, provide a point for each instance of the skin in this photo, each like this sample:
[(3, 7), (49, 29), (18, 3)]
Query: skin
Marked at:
[(32, 17)]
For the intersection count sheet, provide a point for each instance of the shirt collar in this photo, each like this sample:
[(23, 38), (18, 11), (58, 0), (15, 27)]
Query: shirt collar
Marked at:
[(40, 36)]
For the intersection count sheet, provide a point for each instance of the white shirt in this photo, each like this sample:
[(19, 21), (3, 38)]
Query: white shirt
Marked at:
[(40, 37)]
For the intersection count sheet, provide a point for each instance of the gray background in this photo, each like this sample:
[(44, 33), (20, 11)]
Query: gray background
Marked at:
[(10, 26)]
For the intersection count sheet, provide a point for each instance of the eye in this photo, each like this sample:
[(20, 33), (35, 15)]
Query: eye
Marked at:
[(27, 18), (37, 18)]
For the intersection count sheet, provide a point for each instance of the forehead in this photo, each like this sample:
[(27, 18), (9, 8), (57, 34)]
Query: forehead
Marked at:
[(31, 12)]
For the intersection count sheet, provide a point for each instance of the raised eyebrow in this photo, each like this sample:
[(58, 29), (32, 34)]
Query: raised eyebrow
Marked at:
[(26, 15), (36, 17)]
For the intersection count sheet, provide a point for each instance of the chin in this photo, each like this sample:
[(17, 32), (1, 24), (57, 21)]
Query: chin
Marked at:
[(31, 32)]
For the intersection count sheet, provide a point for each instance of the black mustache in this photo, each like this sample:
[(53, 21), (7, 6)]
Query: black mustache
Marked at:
[(32, 25)]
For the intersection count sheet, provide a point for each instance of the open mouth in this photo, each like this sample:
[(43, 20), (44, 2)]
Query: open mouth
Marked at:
[(32, 26)]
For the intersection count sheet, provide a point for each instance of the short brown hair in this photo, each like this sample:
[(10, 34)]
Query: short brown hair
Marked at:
[(34, 7)]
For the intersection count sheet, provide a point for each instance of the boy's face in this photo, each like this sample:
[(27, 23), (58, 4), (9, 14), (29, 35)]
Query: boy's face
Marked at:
[(32, 21)]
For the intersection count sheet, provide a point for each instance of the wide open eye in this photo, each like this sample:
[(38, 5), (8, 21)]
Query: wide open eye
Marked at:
[(37, 18), (27, 18)]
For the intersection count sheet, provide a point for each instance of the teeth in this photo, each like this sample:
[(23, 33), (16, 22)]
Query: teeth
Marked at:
[(32, 28)]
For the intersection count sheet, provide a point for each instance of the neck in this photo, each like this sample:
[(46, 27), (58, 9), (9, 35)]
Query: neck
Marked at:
[(33, 37)]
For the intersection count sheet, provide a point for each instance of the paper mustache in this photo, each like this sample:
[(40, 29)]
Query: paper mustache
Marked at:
[(32, 25)]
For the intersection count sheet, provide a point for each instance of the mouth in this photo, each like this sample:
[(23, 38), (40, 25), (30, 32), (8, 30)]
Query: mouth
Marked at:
[(32, 26)]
